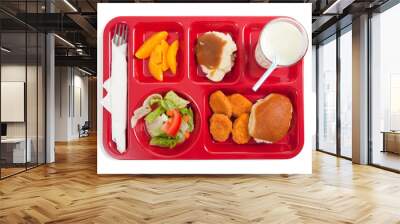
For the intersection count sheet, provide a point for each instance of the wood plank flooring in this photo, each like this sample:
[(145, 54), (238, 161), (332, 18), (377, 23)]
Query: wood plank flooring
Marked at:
[(70, 191), (10, 171)]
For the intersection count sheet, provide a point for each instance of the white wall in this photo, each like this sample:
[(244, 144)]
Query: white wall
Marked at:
[(69, 82), (81, 84), (16, 72), (9, 73), (33, 127), (62, 82)]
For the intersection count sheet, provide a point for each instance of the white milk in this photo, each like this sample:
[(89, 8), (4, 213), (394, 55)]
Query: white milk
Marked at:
[(283, 39)]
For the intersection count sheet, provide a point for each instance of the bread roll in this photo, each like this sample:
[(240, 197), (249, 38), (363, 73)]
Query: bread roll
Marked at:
[(270, 118)]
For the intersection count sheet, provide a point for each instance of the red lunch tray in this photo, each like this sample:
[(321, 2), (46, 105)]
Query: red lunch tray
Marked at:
[(191, 83)]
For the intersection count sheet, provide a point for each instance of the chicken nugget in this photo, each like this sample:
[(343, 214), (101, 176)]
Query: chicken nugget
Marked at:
[(240, 132), (240, 104), (220, 127), (220, 104)]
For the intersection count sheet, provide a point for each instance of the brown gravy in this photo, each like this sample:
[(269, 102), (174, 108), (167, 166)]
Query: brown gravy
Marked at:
[(209, 50)]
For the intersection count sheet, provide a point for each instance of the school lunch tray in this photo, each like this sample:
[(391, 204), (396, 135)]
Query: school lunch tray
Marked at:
[(191, 83)]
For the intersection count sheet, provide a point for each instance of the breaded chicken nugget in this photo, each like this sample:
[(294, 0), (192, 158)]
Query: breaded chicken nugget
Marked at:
[(240, 132), (220, 104), (220, 127), (240, 104)]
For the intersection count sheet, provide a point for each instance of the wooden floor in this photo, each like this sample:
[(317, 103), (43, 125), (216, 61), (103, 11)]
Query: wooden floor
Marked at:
[(386, 159), (8, 171), (70, 191), (5, 172)]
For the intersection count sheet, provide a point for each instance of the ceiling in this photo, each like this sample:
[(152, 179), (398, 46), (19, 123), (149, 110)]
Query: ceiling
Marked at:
[(75, 21)]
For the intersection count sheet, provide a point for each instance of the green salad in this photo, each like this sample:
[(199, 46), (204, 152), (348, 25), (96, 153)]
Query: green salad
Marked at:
[(168, 119)]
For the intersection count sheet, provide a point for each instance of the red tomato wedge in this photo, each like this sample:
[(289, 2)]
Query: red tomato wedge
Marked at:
[(171, 127)]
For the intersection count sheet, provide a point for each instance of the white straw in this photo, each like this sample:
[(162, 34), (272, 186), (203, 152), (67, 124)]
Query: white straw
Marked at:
[(262, 79)]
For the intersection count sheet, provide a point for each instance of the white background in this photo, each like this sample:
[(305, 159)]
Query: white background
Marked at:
[(301, 164)]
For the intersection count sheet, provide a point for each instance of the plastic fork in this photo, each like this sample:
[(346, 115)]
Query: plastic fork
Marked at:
[(120, 34), (117, 94)]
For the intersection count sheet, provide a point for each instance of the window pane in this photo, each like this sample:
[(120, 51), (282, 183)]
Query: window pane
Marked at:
[(346, 94), (23, 87), (327, 97), (15, 150), (41, 99), (31, 99), (385, 89)]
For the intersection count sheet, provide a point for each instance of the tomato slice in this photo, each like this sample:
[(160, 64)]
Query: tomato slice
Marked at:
[(171, 127)]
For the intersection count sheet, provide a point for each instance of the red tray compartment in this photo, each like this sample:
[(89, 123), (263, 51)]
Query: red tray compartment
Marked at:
[(192, 84)]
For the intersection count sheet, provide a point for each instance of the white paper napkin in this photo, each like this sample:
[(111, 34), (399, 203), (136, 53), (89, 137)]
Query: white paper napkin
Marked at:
[(116, 99)]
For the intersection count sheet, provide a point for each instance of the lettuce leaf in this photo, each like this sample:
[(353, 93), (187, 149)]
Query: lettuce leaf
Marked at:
[(180, 137), (167, 104), (154, 128), (178, 101), (188, 112), (165, 142), (155, 100), (150, 117)]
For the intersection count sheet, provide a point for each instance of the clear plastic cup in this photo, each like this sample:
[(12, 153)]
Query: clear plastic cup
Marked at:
[(261, 50)]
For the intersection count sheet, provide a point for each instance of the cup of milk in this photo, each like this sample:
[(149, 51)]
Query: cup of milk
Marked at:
[(283, 41)]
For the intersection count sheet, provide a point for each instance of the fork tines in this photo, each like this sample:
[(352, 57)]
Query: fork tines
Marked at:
[(120, 34)]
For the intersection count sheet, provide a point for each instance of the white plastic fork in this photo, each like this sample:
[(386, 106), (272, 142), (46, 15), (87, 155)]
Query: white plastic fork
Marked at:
[(116, 98), (120, 34)]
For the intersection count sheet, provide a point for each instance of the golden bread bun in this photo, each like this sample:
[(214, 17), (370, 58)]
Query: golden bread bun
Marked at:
[(270, 118)]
